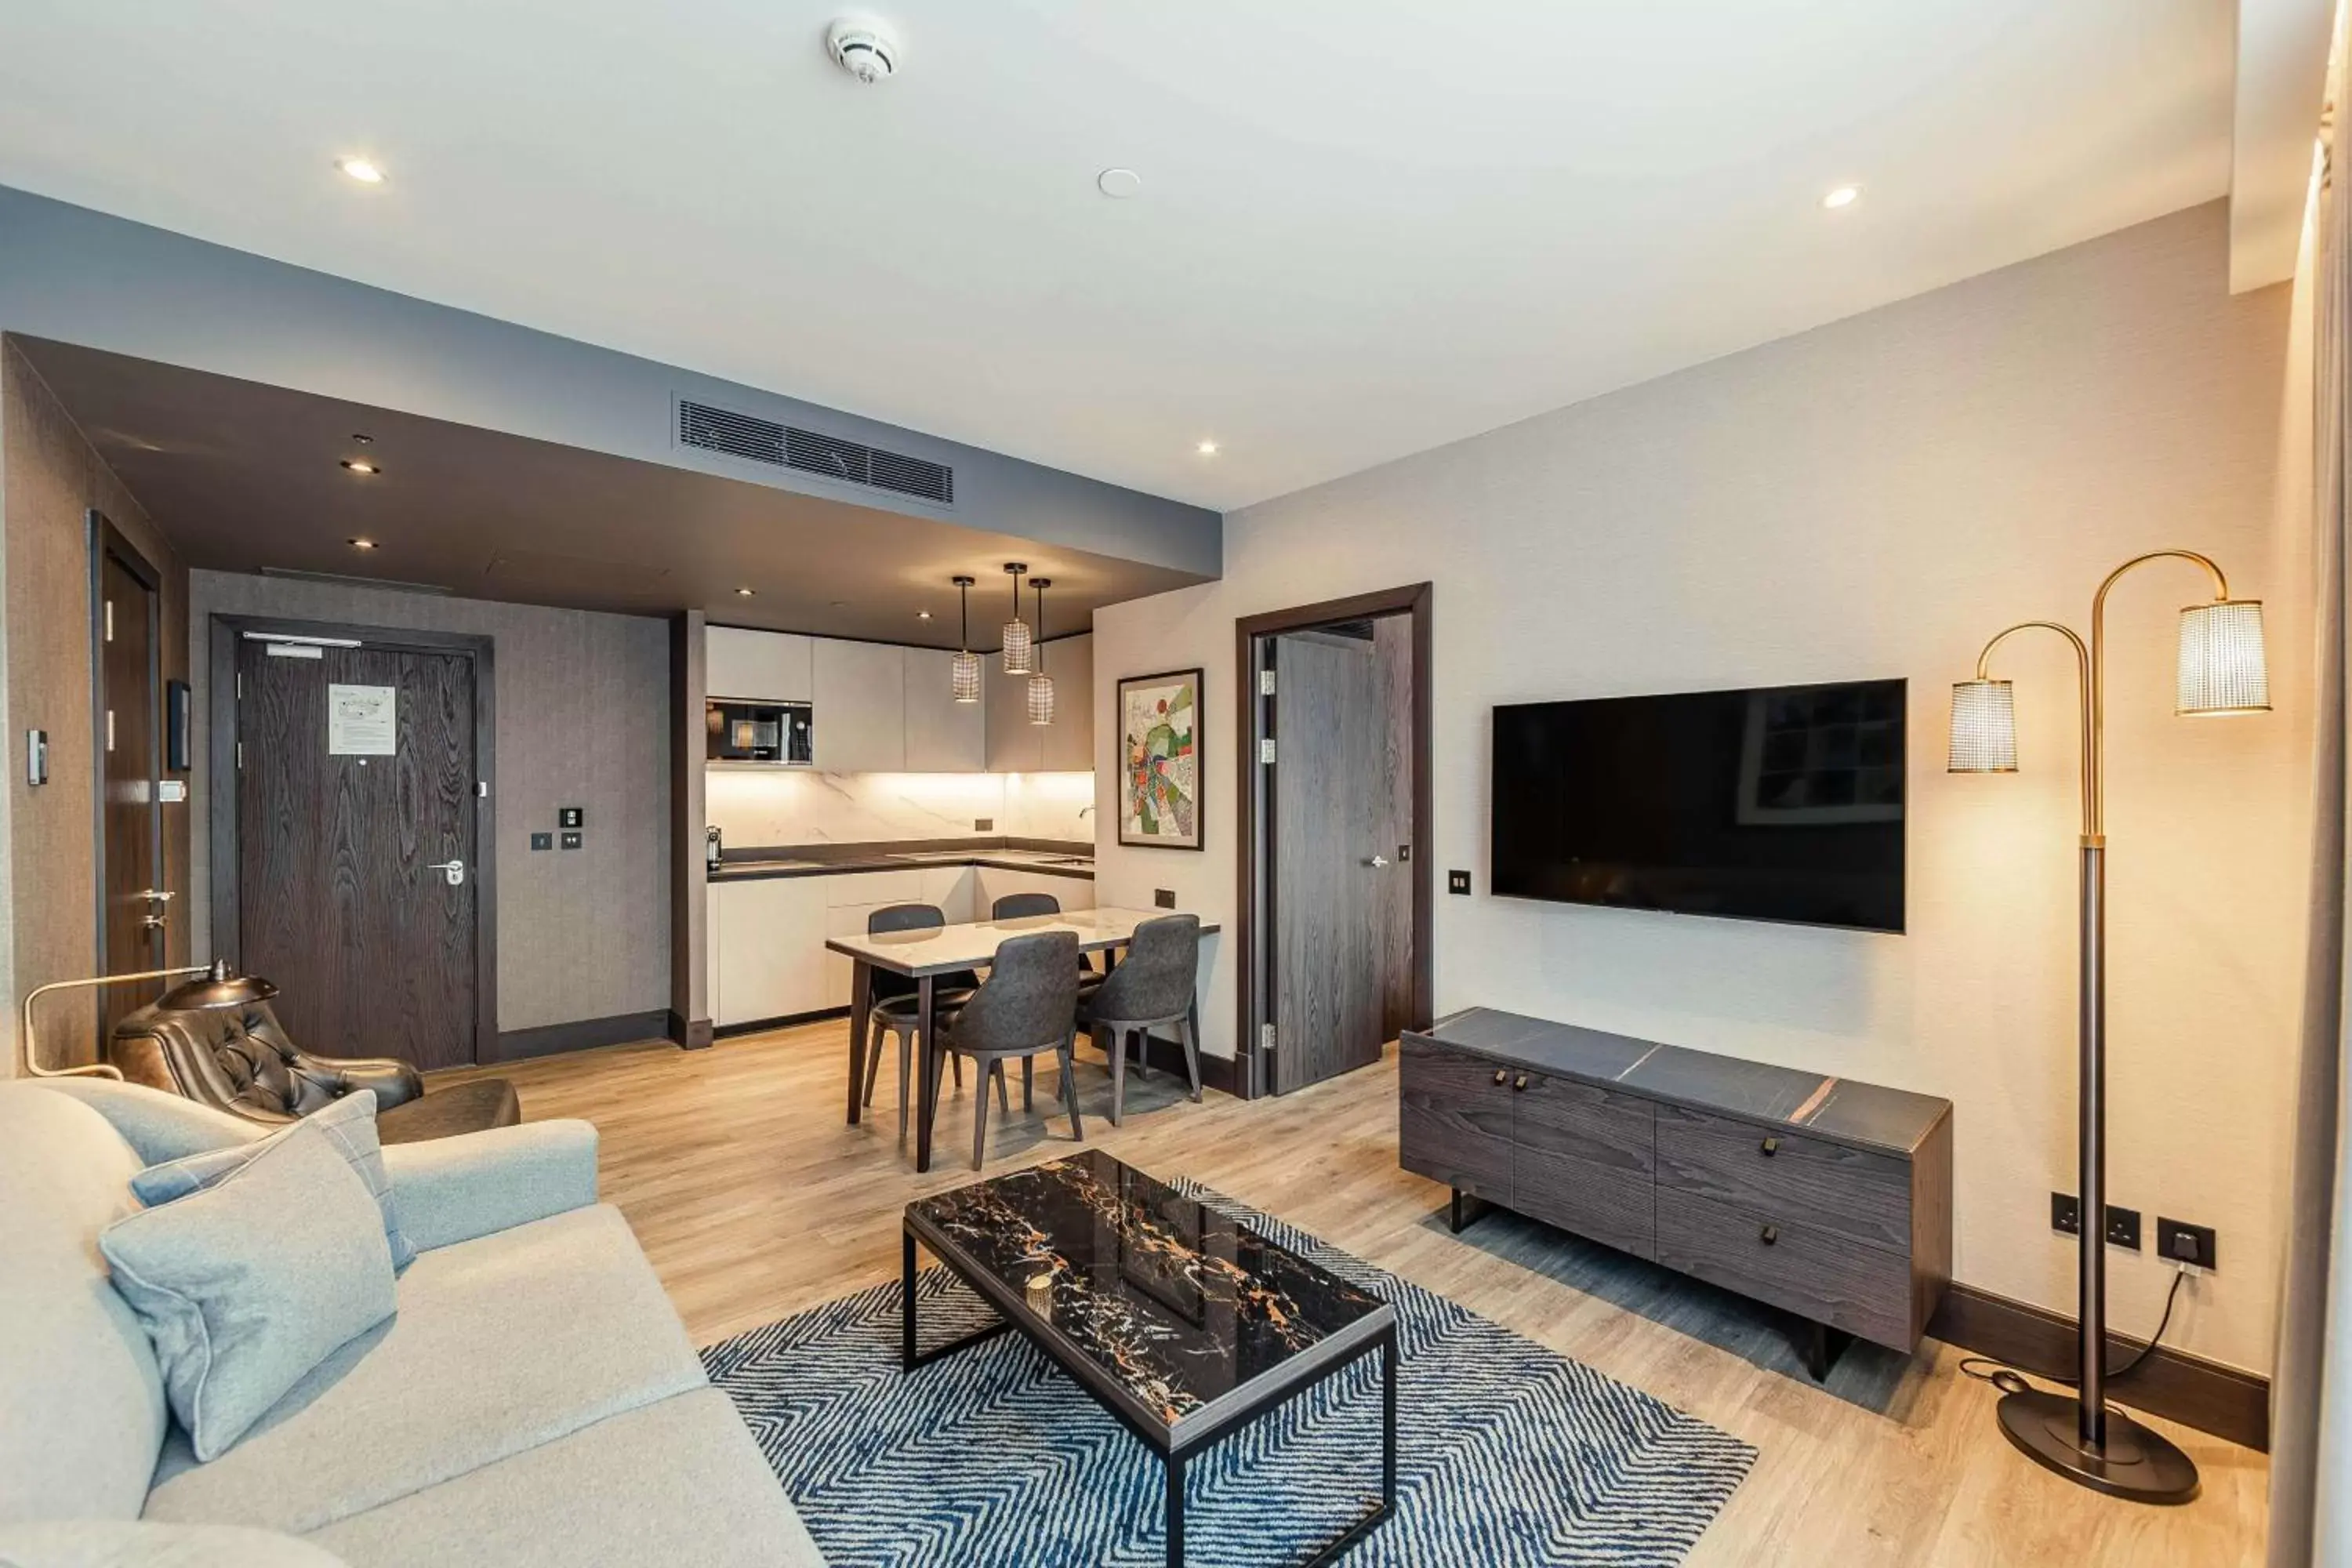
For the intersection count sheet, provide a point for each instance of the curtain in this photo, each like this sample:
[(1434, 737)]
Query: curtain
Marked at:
[(2311, 1380)]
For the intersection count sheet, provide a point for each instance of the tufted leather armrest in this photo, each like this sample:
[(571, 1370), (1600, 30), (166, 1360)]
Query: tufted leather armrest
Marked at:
[(240, 1060)]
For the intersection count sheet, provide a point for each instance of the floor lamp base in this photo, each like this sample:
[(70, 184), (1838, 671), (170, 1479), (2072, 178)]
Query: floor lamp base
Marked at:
[(2137, 1465)]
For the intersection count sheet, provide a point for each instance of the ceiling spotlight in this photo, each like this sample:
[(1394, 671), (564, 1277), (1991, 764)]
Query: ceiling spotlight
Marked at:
[(923, 614), (745, 593), (362, 437), (1844, 196), (1206, 448), (367, 171), (1119, 183), (361, 466), (360, 543)]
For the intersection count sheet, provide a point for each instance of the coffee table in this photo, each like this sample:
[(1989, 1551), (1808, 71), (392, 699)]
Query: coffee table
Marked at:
[(1183, 1323)]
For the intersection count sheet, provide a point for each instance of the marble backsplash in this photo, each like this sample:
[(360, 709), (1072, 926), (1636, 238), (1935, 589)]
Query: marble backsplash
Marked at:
[(763, 806)]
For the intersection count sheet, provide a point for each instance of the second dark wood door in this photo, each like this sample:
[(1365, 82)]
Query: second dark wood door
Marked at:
[(340, 834), (137, 903), (1334, 855)]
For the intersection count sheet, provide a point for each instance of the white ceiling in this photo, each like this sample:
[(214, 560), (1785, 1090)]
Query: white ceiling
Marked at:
[(1366, 228)]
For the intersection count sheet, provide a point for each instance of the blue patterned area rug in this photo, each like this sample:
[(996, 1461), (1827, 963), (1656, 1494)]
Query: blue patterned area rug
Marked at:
[(1506, 1454)]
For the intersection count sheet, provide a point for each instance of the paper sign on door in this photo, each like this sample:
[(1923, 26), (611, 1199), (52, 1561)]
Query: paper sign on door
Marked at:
[(359, 720)]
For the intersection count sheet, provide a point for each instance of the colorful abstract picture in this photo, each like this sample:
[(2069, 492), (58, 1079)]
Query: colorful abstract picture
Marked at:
[(1160, 779)]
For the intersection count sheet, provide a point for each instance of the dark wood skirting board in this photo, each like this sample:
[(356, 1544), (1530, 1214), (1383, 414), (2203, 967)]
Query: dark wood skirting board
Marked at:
[(689, 1034), (2172, 1383), (753, 1025), (586, 1034), (1167, 1056)]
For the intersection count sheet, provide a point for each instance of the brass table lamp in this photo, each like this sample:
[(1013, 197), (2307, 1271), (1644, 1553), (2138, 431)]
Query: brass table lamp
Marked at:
[(2222, 671)]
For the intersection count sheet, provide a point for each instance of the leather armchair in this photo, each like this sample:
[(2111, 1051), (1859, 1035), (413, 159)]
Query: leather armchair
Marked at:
[(241, 1060)]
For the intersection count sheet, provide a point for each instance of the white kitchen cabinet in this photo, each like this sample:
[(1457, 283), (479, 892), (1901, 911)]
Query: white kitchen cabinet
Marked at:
[(770, 934), (1067, 744), (943, 735), (768, 666), (993, 882), (949, 890), (711, 912), (860, 706)]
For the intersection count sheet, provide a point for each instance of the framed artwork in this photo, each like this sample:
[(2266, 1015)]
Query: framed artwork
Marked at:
[(1159, 760)]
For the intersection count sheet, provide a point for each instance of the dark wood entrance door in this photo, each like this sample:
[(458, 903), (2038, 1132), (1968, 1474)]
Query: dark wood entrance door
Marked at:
[(128, 702), (1335, 854), (356, 791)]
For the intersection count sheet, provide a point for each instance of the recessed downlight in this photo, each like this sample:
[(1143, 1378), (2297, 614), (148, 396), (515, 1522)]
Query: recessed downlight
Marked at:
[(1842, 196), (362, 437), (1206, 447), (745, 593), (366, 171), (360, 543), (361, 466), (923, 614)]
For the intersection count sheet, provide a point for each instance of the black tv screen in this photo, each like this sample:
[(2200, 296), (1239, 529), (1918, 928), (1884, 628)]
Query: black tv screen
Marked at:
[(1780, 803)]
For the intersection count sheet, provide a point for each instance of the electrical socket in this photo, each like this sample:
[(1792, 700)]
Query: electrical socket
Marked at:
[(2177, 1241), (1457, 881), (1165, 898), (2123, 1224)]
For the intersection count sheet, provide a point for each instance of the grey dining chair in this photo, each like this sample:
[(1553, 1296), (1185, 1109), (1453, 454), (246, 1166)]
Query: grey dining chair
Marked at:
[(1028, 906), (1026, 1007), (894, 1000), (1151, 987)]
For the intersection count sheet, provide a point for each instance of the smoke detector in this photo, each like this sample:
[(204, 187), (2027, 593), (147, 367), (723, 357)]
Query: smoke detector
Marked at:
[(863, 47)]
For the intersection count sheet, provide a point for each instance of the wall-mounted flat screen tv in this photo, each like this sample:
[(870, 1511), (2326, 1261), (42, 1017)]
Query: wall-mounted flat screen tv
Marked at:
[(1780, 803)]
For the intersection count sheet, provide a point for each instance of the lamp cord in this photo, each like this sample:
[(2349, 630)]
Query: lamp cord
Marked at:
[(2009, 1380)]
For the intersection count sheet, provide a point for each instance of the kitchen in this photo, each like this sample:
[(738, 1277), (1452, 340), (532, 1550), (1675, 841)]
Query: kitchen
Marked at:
[(843, 776)]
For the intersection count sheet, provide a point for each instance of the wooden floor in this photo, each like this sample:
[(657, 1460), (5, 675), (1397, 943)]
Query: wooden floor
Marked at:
[(755, 1200)]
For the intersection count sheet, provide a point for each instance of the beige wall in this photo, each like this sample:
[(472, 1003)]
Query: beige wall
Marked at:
[(1873, 499), (583, 703), (49, 478)]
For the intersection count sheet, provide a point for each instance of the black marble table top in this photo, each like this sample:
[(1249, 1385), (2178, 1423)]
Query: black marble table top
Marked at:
[(1866, 1115), (1153, 1300)]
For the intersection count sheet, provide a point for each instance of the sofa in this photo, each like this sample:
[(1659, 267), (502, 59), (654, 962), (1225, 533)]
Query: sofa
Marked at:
[(534, 1399), (240, 1060)]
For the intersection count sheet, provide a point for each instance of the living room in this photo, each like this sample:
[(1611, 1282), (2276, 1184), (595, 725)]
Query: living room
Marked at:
[(1617, 1076)]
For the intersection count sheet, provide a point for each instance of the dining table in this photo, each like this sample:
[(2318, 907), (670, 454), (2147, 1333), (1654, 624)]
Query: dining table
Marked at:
[(923, 956)]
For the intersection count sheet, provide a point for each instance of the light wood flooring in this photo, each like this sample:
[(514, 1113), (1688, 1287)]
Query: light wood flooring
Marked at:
[(755, 1200)]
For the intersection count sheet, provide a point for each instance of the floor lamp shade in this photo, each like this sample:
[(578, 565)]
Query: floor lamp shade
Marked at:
[(2222, 668), (1984, 728)]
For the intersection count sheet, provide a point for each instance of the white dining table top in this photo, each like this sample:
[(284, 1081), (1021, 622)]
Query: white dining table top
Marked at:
[(944, 949)]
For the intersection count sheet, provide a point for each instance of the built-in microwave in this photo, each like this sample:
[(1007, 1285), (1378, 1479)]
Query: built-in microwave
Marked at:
[(774, 732)]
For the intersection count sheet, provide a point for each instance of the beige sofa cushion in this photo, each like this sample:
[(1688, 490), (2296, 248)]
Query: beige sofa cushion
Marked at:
[(677, 1482), (71, 1349), (500, 1345), (129, 1544)]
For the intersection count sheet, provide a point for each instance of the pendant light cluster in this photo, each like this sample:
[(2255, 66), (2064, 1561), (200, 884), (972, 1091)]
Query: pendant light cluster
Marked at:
[(963, 671), (1041, 685), (1024, 651), (1018, 645)]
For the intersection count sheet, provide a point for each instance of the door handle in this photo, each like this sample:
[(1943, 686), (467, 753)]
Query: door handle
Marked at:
[(1377, 862), (1770, 1146), (1500, 1075), (157, 895), (453, 872), (1771, 1234)]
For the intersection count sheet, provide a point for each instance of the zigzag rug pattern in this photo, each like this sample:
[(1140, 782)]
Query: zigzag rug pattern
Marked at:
[(1508, 1455)]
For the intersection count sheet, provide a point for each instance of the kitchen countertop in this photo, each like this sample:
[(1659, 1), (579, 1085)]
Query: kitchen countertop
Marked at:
[(834, 860)]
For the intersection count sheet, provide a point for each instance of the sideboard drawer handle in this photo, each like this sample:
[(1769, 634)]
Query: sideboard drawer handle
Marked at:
[(1772, 1234), (1772, 1147), (1519, 1082), (1500, 1075)]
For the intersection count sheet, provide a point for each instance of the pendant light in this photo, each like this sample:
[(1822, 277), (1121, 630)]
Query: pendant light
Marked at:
[(963, 671), (1017, 644), (1041, 685)]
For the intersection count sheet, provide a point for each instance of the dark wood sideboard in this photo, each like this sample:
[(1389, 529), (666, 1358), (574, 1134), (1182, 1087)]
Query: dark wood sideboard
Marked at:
[(1829, 1198)]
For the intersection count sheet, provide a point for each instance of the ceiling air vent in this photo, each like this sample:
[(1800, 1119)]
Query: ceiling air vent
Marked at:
[(811, 452)]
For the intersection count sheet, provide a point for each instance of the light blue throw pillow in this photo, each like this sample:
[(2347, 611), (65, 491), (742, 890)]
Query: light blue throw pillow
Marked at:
[(246, 1285), (349, 1124)]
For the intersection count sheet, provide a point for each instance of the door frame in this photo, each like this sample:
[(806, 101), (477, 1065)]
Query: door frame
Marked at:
[(226, 634), (1254, 844), (105, 539)]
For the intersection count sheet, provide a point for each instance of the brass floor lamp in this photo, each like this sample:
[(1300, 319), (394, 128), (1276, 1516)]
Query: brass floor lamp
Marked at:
[(221, 986), (2222, 672)]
